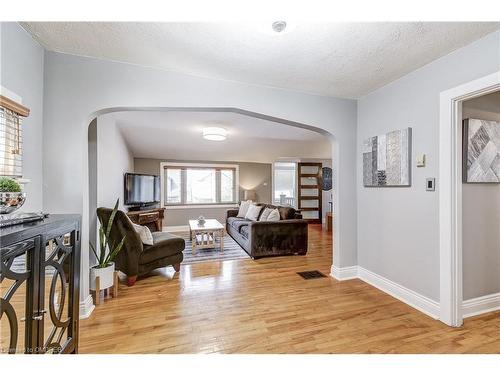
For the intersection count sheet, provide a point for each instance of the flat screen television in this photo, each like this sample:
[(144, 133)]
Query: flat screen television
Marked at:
[(141, 189)]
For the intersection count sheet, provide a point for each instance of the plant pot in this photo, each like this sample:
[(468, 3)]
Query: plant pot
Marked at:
[(105, 276)]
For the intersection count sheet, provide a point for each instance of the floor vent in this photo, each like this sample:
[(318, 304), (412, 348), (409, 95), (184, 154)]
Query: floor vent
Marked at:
[(311, 275)]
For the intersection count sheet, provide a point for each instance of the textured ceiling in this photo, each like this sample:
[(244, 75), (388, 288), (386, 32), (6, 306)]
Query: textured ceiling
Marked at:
[(335, 59), (178, 135)]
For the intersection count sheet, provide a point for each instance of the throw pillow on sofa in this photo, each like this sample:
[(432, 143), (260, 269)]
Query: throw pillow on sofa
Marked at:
[(274, 215), (144, 233), (265, 214), (253, 212), (244, 205)]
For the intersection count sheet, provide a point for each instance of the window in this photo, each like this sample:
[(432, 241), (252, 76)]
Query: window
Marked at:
[(199, 184), (173, 178), (284, 183), (227, 185), (11, 144)]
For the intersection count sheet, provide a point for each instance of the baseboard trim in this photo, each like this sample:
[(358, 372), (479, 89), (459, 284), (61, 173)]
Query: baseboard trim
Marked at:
[(176, 228), (408, 296), (344, 273), (86, 307), (481, 305)]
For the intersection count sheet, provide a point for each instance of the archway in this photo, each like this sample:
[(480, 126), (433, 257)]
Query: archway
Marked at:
[(334, 156)]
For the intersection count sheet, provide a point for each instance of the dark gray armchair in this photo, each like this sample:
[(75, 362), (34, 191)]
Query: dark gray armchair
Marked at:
[(135, 258)]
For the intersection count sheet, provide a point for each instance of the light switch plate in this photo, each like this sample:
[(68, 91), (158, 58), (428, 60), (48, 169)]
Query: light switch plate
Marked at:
[(421, 161), (430, 184)]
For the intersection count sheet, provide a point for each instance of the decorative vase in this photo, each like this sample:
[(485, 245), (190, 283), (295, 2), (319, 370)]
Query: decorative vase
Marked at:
[(105, 276), (11, 201), (201, 220)]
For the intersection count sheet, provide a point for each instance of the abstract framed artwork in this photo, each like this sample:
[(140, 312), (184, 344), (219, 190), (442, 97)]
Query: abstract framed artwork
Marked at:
[(481, 151), (387, 159), (326, 179)]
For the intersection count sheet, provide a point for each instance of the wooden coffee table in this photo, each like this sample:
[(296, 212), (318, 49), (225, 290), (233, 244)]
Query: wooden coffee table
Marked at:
[(205, 236)]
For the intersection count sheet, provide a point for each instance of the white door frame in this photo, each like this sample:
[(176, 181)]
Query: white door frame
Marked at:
[(450, 193)]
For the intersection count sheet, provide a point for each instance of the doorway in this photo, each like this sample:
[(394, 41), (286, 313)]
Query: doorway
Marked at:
[(481, 204), (450, 193)]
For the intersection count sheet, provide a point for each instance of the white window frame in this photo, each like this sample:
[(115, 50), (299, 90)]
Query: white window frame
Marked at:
[(164, 165)]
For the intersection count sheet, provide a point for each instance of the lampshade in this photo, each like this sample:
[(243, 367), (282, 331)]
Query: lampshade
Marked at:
[(214, 133), (250, 195)]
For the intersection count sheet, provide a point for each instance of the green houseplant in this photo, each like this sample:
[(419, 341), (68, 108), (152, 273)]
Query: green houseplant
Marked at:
[(108, 250), (9, 185), (11, 196)]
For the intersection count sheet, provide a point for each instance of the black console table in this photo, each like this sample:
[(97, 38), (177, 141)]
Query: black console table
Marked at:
[(39, 285)]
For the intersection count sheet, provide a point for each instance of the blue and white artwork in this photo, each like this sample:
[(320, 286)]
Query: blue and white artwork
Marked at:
[(387, 159), (326, 179)]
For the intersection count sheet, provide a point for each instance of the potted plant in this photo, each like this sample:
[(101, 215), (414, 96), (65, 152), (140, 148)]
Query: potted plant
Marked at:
[(11, 196), (105, 267)]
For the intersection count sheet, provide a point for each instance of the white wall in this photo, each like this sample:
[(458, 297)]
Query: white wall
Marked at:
[(398, 228), (77, 87), (22, 73), (114, 159), (481, 217)]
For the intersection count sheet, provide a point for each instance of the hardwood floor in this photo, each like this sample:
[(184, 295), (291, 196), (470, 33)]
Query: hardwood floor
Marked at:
[(263, 306)]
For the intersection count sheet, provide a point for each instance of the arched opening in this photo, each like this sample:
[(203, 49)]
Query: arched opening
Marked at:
[(89, 216)]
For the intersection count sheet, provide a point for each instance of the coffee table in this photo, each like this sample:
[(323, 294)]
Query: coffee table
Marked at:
[(205, 236)]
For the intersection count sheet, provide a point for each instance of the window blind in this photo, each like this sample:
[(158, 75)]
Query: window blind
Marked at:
[(11, 143)]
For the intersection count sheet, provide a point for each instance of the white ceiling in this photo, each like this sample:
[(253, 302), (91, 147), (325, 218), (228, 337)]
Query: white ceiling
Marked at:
[(178, 135), (335, 59)]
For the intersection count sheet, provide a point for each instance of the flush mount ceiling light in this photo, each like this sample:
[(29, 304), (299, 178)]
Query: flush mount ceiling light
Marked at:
[(275, 26), (214, 133)]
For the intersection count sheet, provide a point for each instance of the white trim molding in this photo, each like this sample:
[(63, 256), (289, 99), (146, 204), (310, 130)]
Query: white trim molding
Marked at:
[(408, 296), (344, 273), (86, 307), (450, 193), (481, 305)]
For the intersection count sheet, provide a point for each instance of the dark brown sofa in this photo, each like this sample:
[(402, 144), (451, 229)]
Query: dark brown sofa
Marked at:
[(135, 258), (288, 236)]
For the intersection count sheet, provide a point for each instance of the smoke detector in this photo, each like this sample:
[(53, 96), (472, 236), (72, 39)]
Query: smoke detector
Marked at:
[(278, 26)]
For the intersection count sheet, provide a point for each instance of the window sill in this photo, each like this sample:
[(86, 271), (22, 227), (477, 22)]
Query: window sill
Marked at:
[(180, 207)]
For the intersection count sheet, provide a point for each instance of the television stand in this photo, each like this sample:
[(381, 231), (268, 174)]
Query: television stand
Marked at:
[(144, 207), (152, 218)]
